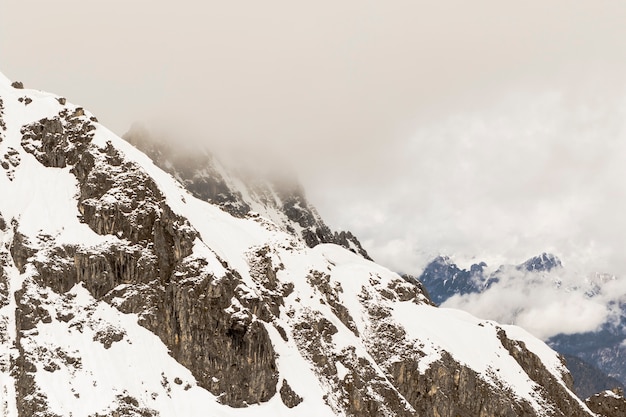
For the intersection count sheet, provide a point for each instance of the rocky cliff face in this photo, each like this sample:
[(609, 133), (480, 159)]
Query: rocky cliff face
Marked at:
[(122, 294)]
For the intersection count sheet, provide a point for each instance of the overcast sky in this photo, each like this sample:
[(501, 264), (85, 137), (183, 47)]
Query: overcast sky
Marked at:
[(487, 129)]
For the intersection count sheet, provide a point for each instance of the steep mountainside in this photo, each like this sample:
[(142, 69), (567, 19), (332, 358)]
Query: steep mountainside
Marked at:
[(609, 403), (278, 197), (122, 294), (597, 360)]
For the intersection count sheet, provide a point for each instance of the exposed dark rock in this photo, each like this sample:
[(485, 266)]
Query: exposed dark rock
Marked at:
[(350, 242), (126, 406), (59, 141), (321, 282), (10, 160), (108, 336), (3, 125), (4, 289), (17, 85), (421, 288), (449, 389), (21, 250), (288, 395), (608, 403), (31, 401), (264, 273)]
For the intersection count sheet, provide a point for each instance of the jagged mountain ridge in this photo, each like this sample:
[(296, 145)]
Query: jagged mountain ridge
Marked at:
[(595, 358), (278, 198), (444, 279), (122, 294)]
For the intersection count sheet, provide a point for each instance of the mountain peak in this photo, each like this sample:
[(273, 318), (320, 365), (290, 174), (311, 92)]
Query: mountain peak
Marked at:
[(123, 293), (443, 279), (545, 262)]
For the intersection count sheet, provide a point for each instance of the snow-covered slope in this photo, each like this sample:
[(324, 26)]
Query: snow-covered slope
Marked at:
[(123, 294)]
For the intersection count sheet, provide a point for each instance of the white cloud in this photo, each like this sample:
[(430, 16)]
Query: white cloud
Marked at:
[(546, 304), (533, 173)]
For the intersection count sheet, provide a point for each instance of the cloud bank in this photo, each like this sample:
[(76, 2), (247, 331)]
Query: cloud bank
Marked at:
[(548, 303), (530, 174)]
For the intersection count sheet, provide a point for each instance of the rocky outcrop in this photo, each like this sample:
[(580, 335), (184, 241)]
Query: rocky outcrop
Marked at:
[(289, 397), (4, 285), (535, 368), (330, 295), (225, 346), (450, 389), (203, 175), (125, 405), (3, 125), (610, 403), (31, 401)]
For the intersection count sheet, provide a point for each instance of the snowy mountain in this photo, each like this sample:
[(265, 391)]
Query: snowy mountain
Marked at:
[(596, 358), (444, 279), (123, 294)]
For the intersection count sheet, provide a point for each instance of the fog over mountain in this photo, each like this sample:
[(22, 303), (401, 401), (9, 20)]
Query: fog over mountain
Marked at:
[(482, 129)]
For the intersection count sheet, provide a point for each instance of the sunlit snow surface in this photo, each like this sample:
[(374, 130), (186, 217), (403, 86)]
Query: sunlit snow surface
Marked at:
[(43, 202)]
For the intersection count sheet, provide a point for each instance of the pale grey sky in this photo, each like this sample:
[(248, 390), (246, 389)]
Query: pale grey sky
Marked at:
[(486, 128)]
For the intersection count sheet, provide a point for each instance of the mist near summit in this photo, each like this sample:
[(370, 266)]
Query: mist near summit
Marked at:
[(483, 130)]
